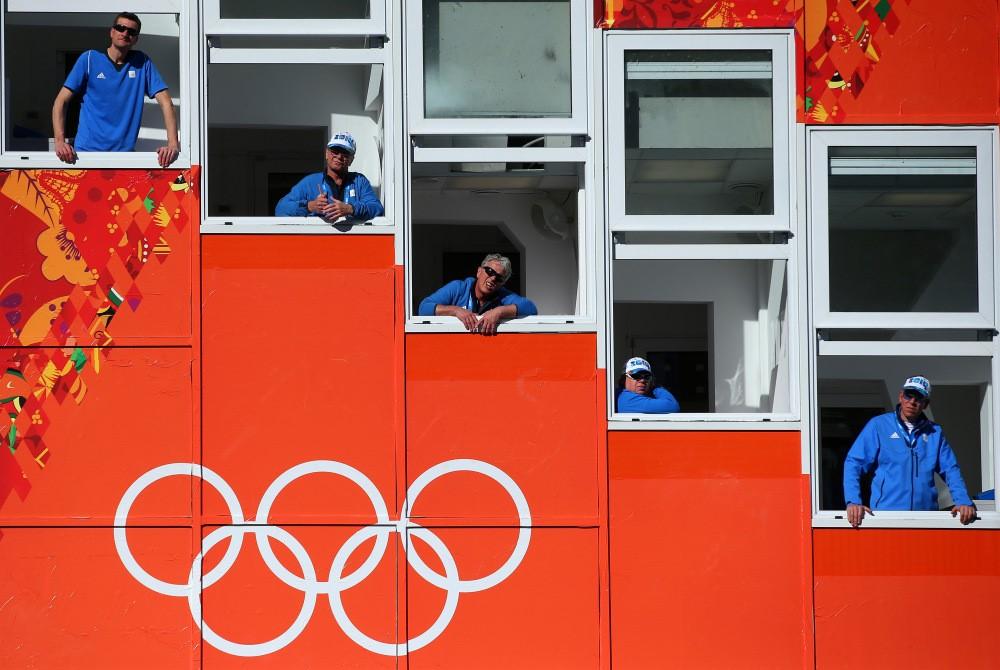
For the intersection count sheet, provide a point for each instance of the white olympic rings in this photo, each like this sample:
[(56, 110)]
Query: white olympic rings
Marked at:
[(337, 582)]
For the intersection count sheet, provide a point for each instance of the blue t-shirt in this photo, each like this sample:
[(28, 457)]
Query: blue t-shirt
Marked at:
[(112, 96)]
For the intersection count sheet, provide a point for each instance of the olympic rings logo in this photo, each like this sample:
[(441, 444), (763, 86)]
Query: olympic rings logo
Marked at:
[(337, 581)]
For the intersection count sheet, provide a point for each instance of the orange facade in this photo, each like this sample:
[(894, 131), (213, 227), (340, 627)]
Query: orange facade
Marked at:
[(234, 381)]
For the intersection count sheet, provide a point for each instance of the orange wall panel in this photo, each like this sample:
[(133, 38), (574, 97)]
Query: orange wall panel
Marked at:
[(298, 366), (706, 536), (521, 403), (69, 603), (906, 598)]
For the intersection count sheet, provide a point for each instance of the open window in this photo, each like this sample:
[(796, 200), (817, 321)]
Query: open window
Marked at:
[(495, 66), (526, 203), (858, 380), (41, 43), (903, 227), (712, 320), (699, 130), (295, 17), (262, 139)]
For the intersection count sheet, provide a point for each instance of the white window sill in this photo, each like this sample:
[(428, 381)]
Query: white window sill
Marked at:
[(987, 520), (294, 225), (47, 160), (704, 422), (529, 324)]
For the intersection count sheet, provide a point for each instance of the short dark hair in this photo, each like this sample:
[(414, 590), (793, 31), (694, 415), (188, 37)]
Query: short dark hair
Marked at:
[(130, 16)]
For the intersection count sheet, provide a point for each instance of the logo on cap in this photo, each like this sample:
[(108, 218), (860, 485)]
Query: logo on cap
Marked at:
[(919, 384)]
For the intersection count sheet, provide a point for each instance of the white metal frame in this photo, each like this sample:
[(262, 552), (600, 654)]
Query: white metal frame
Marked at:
[(712, 420), (781, 45), (984, 140), (186, 115), (215, 24), (913, 519), (575, 124), (270, 224), (585, 320)]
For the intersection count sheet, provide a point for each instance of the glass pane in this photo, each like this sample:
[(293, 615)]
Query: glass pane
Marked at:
[(698, 132), (715, 331), (497, 58), (902, 228), (854, 389), (264, 139), (294, 9), (526, 211), (33, 81)]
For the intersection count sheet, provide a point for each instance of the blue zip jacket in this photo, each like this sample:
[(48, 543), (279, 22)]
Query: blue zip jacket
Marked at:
[(459, 292), (356, 192), (661, 402), (905, 463)]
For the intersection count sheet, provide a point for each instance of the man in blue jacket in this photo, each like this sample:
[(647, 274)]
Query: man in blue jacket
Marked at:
[(479, 302), (906, 449), (335, 193), (639, 394)]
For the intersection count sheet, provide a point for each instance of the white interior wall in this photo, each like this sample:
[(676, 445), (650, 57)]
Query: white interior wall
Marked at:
[(731, 287), (551, 274)]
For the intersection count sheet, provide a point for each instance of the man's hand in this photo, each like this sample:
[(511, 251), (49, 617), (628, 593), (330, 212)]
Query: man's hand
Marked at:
[(855, 513), (65, 152), (965, 513), (336, 209), (167, 155), (319, 204), (489, 321), (467, 317)]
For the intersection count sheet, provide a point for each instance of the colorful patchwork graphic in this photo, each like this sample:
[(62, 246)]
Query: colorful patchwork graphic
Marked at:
[(842, 50), (74, 244), (702, 13)]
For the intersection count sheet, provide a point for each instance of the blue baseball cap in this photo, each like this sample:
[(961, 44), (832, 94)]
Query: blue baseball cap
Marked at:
[(919, 384), (343, 141)]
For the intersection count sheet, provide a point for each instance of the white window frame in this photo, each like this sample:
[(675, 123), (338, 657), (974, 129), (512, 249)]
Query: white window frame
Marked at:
[(374, 25), (984, 139), (988, 519), (294, 224), (789, 420), (585, 320), (575, 124), (186, 115), (781, 45)]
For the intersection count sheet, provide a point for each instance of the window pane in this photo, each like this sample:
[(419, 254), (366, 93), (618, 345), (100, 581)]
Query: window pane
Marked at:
[(263, 139), (715, 331), (34, 81), (496, 58), (854, 389), (902, 227), (525, 211), (698, 132), (294, 9)]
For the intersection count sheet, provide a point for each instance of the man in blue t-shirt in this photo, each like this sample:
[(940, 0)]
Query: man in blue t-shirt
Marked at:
[(113, 84), (336, 193)]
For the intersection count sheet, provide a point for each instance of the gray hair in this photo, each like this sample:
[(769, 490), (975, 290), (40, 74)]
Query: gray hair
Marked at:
[(502, 260)]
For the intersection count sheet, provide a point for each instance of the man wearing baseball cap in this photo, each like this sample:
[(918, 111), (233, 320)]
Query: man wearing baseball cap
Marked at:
[(335, 193), (638, 393), (905, 449)]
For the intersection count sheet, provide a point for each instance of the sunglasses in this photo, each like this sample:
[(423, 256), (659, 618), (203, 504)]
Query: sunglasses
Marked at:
[(641, 376), (131, 32), (913, 395), (490, 272)]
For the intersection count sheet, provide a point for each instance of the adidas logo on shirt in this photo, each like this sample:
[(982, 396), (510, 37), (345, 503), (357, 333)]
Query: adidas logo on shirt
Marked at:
[(894, 436), (101, 76)]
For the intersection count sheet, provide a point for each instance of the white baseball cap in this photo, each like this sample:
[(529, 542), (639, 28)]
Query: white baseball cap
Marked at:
[(637, 364), (919, 384), (343, 140)]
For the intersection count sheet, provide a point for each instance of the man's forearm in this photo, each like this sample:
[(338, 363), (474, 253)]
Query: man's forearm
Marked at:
[(169, 118)]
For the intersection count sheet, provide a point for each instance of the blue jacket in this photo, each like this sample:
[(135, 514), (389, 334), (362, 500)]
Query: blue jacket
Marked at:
[(356, 192), (661, 402), (904, 464), (459, 292)]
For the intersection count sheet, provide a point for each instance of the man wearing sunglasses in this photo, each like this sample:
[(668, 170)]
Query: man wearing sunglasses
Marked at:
[(335, 193), (905, 449), (113, 84), (479, 302), (638, 393)]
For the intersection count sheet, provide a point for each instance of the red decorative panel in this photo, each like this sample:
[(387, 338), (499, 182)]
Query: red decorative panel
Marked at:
[(702, 13)]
